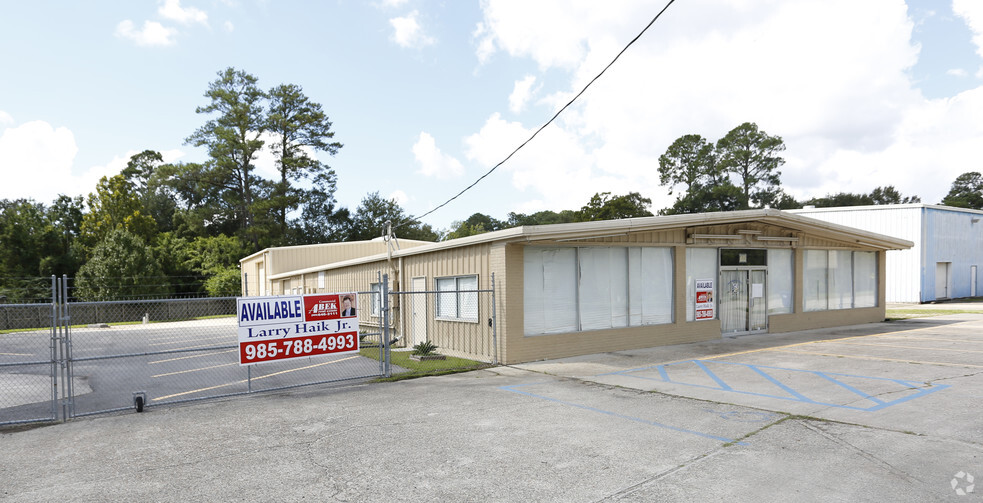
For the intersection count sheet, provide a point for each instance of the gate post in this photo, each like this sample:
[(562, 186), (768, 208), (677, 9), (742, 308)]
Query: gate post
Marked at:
[(53, 347), (386, 368)]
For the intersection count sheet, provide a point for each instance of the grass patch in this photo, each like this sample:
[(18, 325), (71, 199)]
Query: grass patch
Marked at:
[(451, 365)]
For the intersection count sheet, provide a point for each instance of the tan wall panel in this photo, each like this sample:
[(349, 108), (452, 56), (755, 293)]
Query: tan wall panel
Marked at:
[(779, 323)]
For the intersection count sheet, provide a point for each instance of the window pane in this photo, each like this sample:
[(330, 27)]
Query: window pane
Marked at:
[(841, 279), (467, 302), (865, 279), (603, 288), (376, 299), (780, 274), (701, 263), (743, 257), (814, 280), (657, 285), (550, 290), (446, 302)]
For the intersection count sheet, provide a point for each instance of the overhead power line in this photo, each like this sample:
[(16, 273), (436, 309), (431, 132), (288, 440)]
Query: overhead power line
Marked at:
[(550, 121)]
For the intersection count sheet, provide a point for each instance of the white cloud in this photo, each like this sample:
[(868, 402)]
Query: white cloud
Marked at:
[(152, 33), (972, 13), (35, 151), (393, 3), (407, 31), (433, 162), (849, 114), (957, 72), (521, 93), (554, 165), (399, 196), (229, 27), (5, 118), (172, 10)]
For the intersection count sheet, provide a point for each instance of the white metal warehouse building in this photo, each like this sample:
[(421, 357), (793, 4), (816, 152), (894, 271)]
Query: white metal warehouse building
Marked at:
[(944, 261)]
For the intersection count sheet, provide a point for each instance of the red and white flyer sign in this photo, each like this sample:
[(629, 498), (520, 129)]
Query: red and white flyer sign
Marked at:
[(296, 326), (705, 306)]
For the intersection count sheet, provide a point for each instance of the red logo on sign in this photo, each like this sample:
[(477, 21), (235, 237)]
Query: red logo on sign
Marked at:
[(320, 307)]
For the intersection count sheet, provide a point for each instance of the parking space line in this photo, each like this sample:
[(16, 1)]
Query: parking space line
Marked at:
[(972, 341), (617, 415), (852, 389), (787, 389), (194, 370), (713, 376), (254, 379), (922, 388), (16, 354), (225, 338), (958, 350), (192, 356), (946, 364)]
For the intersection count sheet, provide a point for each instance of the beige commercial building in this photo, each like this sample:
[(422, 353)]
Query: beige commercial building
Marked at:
[(572, 289)]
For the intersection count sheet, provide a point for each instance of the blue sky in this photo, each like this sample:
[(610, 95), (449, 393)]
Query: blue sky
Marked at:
[(428, 95)]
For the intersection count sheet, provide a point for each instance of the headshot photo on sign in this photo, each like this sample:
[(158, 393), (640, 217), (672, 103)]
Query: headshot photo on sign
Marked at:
[(347, 307)]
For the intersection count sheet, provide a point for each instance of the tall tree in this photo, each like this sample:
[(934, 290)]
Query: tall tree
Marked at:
[(890, 195), (122, 266), (753, 156), (30, 248), (545, 217), (321, 221), (477, 223), (144, 173), (880, 195), (299, 127), (966, 191), (114, 205), (232, 138), (602, 206), (369, 221), (693, 162)]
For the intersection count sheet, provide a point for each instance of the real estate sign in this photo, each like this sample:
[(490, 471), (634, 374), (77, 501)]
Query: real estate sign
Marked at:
[(705, 306), (296, 326)]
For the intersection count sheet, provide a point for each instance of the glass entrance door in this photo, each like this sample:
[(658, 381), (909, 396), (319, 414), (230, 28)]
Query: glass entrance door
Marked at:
[(743, 306)]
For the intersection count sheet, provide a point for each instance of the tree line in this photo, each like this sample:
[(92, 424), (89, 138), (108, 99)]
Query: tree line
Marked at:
[(179, 229)]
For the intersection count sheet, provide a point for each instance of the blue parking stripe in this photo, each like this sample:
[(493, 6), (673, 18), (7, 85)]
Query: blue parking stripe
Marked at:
[(620, 416), (851, 388), (922, 388), (796, 394), (713, 376)]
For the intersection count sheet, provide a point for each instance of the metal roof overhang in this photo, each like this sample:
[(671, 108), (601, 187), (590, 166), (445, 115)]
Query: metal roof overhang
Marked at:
[(614, 228)]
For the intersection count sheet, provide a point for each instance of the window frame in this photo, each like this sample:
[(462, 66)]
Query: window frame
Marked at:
[(460, 298)]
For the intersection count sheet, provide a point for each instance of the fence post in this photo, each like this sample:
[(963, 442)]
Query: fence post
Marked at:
[(53, 347), (386, 369)]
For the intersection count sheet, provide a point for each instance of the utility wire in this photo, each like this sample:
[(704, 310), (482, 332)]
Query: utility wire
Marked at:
[(557, 114)]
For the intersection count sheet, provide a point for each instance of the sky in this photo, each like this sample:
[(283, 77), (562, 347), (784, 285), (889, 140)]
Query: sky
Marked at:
[(429, 95)]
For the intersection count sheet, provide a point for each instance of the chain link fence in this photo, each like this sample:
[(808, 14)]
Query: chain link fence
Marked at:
[(68, 359)]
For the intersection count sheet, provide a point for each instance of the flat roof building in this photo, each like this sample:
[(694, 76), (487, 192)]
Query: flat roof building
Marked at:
[(581, 288)]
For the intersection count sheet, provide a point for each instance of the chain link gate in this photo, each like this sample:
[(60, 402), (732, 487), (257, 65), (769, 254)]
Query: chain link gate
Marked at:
[(29, 351), (112, 356)]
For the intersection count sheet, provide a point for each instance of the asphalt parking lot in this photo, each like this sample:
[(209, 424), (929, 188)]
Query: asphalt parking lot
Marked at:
[(879, 412)]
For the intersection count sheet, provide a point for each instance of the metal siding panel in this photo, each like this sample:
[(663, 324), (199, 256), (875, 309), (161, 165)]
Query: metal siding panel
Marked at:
[(904, 268)]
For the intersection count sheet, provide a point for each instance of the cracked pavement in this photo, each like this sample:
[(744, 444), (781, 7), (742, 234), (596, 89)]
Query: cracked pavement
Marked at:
[(763, 419)]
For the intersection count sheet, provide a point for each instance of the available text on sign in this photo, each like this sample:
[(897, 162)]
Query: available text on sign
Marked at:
[(704, 299), (296, 326)]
